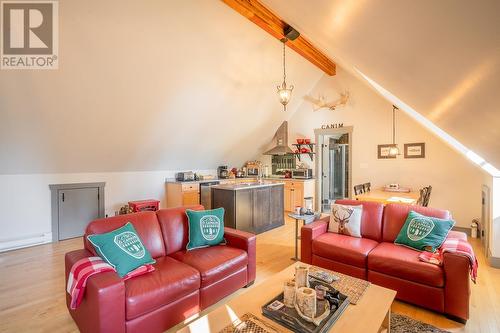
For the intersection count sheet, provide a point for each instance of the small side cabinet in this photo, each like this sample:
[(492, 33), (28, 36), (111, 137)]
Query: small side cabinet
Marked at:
[(182, 194)]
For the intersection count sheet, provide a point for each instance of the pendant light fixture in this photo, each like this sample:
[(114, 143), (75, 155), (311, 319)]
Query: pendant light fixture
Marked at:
[(394, 150), (284, 91)]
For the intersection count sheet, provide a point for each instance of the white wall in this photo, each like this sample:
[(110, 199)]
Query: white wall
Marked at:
[(25, 199), (495, 229), (147, 85), (456, 181), (440, 57), (142, 87)]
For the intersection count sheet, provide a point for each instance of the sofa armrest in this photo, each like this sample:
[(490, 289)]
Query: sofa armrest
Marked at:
[(307, 234), (457, 285), (103, 306), (247, 242)]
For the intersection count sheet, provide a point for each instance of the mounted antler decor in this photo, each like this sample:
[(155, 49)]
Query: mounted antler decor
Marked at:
[(320, 102)]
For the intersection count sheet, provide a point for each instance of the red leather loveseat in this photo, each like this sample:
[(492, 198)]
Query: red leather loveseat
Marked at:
[(183, 283), (376, 258)]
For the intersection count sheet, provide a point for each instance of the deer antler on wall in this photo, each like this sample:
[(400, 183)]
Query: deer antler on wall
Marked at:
[(320, 103)]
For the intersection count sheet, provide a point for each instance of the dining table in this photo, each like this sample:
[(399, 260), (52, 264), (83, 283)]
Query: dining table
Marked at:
[(383, 196)]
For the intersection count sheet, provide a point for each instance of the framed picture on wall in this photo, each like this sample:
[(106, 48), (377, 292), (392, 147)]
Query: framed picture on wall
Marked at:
[(383, 151), (415, 150)]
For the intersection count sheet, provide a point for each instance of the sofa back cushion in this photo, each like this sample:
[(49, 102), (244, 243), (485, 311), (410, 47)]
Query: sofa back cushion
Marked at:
[(371, 220), (395, 217), (145, 223), (175, 227)]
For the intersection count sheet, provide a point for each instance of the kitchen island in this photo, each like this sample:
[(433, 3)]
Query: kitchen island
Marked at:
[(254, 207)]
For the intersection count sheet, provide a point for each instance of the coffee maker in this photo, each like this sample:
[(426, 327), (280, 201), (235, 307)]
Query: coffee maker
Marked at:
[(222, 172)]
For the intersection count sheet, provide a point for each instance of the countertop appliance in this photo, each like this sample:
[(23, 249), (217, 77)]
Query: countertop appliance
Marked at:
[(254, 168), (302, 173), (253, 171), (206, 193), (222, 172), (185, 176)]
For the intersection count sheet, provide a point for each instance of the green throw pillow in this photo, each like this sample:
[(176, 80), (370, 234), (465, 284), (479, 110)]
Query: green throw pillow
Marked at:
[(206, 227), (424, 233), (122, 248)]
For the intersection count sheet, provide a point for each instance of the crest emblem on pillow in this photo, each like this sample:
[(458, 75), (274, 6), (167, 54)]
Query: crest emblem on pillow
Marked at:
[(419, 228), (210, 226), (129, 243)]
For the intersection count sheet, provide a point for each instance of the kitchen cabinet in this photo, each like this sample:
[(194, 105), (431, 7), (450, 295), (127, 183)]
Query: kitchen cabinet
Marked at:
[(253, 209), (183, 194), (295, 191), (190, 198)]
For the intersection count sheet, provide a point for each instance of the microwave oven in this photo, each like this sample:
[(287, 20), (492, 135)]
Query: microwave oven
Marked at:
[(302, 173), (185, 176), (252, 172)]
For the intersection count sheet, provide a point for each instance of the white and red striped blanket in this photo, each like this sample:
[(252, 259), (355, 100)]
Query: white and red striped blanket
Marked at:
[(85, 268), (453, 245)]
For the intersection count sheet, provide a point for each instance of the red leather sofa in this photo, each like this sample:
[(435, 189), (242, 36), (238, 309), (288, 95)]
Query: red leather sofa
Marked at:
[(376, 258), (183, 283)]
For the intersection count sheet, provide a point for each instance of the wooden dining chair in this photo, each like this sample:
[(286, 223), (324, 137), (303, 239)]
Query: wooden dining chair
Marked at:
[(367, 187), (425, 195), (359, 189)]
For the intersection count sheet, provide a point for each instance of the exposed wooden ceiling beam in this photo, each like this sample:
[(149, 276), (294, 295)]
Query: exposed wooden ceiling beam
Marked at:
[(274, 25)]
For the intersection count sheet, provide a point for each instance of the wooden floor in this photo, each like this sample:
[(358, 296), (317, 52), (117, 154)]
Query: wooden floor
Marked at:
[(32, 287)]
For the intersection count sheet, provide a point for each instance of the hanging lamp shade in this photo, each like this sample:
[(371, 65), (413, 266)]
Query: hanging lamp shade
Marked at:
[(284, 91), (394, 150)]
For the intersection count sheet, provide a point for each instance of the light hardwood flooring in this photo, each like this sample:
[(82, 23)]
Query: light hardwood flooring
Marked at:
[(32, 287)]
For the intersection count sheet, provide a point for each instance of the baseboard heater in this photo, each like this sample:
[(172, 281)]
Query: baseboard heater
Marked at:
[(25, 241)]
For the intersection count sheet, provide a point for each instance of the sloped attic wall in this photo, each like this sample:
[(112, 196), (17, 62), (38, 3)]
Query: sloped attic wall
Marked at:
[(442, 58), (143, 89), (147, 85), (456, 181)]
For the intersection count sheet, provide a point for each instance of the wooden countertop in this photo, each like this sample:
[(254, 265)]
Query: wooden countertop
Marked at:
[(386, 197)]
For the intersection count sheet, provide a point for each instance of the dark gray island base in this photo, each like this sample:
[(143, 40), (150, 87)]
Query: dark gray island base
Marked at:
[(252, 207)]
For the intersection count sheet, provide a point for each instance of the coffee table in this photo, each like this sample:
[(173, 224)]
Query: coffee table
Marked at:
[(371, 314)]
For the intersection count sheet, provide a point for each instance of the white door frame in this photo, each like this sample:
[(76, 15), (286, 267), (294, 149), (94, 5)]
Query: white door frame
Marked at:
[(319, 134)]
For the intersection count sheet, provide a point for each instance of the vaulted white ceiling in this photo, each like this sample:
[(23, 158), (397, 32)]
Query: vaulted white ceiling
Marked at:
[(147, 85), (163, 85), (442, 58)]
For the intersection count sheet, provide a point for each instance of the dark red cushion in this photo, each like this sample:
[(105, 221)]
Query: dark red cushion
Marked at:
[(402, 262), (174, 227), (170, 281), (215, 262), (371, 220), (344, 249), (145, 223), (395, 216)]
